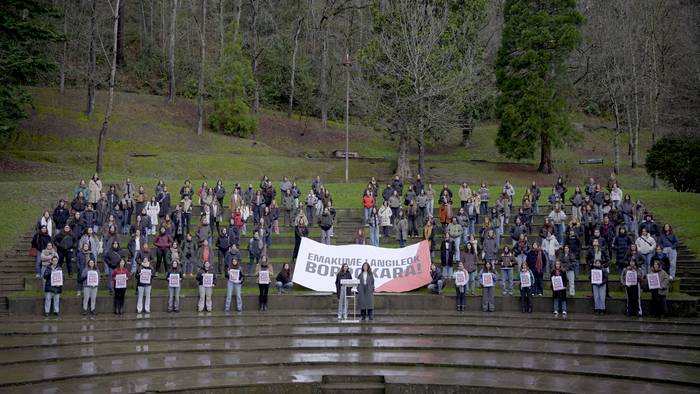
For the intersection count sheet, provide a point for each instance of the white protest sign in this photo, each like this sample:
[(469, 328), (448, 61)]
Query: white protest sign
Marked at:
[(145, 277), (557, 283), (631, 278), (174, 280), (93, 279), (120, 281), (525, 279), (208, 280), (57, 278), (264, 277), (461, 278), (654, 281), (597, 277), (234, 275), (394, 269), (487, 279)]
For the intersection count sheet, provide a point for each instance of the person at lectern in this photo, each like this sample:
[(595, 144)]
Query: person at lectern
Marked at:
[(365, 292), (342, 301)]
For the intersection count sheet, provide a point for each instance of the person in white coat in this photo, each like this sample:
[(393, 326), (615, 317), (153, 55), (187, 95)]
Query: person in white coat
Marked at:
[(152, 210), (550, 246)]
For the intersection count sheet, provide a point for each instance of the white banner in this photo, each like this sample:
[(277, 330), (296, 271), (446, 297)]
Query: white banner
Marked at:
[(395, 270)]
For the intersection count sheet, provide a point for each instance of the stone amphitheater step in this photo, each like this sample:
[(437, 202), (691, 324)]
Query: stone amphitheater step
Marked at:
[(347, 384), (301, 351), (679, 305), (583, 285)]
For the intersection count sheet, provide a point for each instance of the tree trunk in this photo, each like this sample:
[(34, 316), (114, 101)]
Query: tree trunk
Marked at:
[(171, 54), (92, 59), (236, 18), (324, 77), (200, 88), (616, 143), (545, 155), (62, 81), (254, 54), (467, 130), (294, 67), (102, 140), (221, 30), (421, 151), (635, 144), (403, 167), (120, 33)]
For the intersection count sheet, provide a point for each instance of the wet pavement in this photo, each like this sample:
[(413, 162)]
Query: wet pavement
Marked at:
[(189, 351)]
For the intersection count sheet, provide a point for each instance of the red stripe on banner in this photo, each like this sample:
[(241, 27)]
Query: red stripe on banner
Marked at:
[(417, 274)]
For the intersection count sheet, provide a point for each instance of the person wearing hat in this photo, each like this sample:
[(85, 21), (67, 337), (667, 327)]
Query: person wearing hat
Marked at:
[(144, 276), (52, 293), (173, 290)]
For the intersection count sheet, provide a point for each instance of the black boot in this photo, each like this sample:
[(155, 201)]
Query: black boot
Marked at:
[(369, 312), (363, 314)]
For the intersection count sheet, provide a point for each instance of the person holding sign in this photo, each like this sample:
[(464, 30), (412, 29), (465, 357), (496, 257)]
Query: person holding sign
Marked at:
[(461, 279), (658, 281), (526, 281), (235, 277), (263, 273), (206, 280), (119, 277), (283, 281), (90, 278), (174, 282), (506, 262), (631, 278), (559, 284), (365, 292), (599, 282), (143, 275), (344, 273), (53, 284), (487, 280)]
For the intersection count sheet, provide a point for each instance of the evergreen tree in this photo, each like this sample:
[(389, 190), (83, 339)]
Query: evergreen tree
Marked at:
[(24, 37), (538, 37), (233, 82)]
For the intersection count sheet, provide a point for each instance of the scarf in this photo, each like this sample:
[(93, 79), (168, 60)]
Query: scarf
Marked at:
[(538, 262)]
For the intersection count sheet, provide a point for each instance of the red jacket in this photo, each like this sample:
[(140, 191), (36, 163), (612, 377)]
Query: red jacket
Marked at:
[(368, 201), (163, 242), (119, 271)]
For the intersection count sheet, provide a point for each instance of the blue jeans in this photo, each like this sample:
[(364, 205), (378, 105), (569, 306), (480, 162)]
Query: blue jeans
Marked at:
[(374, 235), (251, 265), (484, 208), (559, 228), (108, 271), (471, 283), (599, 297), (461, 293), (472, 226), (436, 288), (230, 289), (367, 213), (672, 257), (647, 262), (187, 265), (447, 272), (456, 251), (38, 264), (558, 304), (56, 298), (507, 276), (536, 206), (402, 242), (282, 288)]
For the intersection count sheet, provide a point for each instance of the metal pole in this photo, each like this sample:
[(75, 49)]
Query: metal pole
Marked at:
[(347, 121)]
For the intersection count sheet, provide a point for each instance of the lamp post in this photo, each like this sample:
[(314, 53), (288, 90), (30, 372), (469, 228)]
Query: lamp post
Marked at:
[(348, 64)]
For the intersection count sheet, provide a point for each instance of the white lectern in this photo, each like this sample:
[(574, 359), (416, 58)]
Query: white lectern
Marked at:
[(344, 283)]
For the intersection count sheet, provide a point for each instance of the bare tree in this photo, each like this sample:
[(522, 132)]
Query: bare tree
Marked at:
[(236, 18), (121, 41), (62, 80), (298, 23), (102, 139), (254, 5), (92, 59), (171, 53), (202, 64)]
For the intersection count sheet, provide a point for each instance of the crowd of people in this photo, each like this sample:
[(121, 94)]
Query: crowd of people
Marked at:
[(480, 234)]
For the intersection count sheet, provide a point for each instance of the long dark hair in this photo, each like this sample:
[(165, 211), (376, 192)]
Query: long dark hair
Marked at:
[(366, 264)]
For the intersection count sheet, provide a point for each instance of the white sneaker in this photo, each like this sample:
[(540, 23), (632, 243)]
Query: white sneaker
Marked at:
[(563, 314), (556, 314)]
